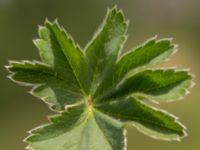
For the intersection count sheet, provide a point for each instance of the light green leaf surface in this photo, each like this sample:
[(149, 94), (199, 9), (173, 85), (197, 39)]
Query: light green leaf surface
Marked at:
[(96, 92), (78, 129)]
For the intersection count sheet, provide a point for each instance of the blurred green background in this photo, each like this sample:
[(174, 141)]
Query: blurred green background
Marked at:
[(19, 19)]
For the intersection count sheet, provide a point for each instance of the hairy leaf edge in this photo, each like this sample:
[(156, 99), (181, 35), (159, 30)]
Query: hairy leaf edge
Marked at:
[(35, 86), (173, 50), (187, 89), (176, 120), (132, 123), (126, 23)]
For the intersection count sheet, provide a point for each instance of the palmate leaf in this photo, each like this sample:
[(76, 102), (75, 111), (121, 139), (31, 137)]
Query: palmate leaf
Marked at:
[(96, 92)]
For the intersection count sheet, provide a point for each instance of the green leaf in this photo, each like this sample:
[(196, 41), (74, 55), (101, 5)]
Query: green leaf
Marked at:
[(48, 85), (96, 92), (103, 50), (148, 54), (77, 129), (165, 85), (51, 53), (74, 56), (148, 120)]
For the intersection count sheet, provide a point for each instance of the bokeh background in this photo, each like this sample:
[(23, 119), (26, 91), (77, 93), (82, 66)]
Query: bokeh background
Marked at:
[(19, 19)]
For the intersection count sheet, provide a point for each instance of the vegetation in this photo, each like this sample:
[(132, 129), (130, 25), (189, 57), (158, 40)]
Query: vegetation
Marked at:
[(96, 91)]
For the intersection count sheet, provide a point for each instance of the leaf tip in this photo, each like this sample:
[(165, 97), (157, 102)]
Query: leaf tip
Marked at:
[(114, 8), (35, 42), (7, 67), (125, 139), (47, 21)]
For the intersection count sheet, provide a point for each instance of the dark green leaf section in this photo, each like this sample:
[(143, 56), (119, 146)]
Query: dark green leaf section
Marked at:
[(103, 50), (28, 72), (51, 53), (74, 56), (150, 53), (159, 124), (78, 129), (48, 85), (154, 84)]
